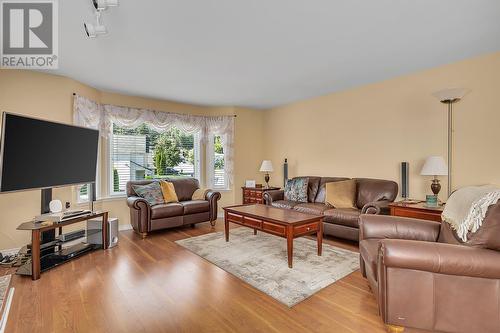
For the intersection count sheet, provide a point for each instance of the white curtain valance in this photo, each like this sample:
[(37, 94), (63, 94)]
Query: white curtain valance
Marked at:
[(88, 113)]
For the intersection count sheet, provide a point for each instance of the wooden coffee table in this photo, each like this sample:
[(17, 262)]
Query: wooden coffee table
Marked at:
[(285, 223)]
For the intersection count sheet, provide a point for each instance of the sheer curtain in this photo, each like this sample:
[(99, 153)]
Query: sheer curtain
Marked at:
[(91, 114)]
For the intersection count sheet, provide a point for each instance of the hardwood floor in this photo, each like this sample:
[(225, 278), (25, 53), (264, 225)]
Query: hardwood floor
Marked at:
[(154, 285)]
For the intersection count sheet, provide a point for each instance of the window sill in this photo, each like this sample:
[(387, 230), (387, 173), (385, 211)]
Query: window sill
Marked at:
[(222, 190)]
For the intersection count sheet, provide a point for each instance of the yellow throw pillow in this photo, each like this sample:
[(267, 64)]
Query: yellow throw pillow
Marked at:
[(341, 194), (199, 194), (168, 191)]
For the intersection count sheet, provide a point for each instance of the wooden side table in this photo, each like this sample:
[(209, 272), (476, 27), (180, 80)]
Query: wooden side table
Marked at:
[(253, 195), (416, 210)]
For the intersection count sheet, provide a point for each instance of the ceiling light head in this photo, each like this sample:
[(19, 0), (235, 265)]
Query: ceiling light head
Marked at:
[(94, 30), (103, 4)]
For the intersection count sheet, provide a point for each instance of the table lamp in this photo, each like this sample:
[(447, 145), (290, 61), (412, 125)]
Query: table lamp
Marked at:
[(435, 166), (266, 166)]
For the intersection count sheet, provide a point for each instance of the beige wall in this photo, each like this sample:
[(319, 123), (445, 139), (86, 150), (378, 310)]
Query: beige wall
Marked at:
[(362, 132), (50, 97), (368, 131)]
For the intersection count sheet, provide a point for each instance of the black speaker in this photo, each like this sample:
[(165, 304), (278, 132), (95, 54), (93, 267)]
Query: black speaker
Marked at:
[(405, 180), (285, 172)]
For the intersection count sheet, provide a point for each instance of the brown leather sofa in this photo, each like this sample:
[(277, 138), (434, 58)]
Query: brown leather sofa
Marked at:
[(372, 197), (426, 278), (145, 218)]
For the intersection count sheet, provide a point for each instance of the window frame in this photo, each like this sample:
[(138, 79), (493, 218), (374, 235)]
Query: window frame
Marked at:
[(210, 169)]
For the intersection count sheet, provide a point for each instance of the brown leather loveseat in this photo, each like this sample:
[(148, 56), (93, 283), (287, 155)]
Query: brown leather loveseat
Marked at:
[(426, 278), (372, 197), (145, 218)]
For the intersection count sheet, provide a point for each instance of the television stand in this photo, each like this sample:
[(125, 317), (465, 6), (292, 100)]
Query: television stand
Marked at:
[(37, 228)]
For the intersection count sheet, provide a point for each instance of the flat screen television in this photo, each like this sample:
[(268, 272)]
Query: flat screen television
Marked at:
[(39, 154)]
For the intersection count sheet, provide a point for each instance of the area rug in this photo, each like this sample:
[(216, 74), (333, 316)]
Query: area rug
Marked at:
[(261, 261), (4, 286)]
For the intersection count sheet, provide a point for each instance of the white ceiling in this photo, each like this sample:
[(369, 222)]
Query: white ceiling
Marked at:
[(263, 53)]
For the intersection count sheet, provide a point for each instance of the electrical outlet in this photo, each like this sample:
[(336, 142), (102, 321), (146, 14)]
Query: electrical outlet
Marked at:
[(68, 205)]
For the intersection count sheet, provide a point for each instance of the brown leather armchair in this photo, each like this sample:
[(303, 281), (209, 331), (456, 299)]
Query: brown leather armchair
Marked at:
[(146, 218), (424, 277)]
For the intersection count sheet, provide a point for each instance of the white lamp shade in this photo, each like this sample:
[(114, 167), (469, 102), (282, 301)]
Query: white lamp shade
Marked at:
[(434, 166), (266, 166), (450, 94)]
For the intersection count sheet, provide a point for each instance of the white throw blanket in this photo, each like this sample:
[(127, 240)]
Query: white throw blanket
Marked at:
[(466, 208)]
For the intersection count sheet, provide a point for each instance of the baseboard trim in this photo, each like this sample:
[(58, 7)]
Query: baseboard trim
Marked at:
[(9, 252), (123, 227)]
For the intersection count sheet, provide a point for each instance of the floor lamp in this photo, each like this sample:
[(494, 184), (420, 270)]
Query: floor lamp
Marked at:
[(450, 97)]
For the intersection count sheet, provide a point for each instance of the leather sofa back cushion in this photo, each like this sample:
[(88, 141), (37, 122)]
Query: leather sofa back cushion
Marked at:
[(296, 189), (341, 194), (168, 191), (370, 190), (185, 187), (150, 192)]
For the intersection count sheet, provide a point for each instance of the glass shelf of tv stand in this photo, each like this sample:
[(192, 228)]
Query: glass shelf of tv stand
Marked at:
[(48, 225)]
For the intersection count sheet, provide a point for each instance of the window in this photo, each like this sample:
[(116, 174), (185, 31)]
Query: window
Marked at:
[(217, 174), (143, 153)]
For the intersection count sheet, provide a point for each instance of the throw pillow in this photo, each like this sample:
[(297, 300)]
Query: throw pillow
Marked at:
[(341, 194), (150, 192), (296, 189), (168, 191), (199, 194)]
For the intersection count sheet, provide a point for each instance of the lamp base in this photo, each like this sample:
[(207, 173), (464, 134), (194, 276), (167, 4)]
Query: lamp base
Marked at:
[(266, 178), (435, 186)]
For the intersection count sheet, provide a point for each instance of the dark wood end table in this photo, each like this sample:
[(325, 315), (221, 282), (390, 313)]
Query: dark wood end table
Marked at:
[(280, 222), (416, 210)]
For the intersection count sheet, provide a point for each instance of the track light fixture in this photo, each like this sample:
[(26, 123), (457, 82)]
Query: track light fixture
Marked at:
[(104, 4), (94, 30)]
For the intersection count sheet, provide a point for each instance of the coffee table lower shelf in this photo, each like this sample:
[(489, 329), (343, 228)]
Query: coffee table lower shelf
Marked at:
[(286, 230)]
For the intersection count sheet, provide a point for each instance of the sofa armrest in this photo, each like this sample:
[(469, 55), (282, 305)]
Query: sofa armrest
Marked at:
[(382, 226), (212, 197), (137, 203), (440, 258), (273, 195), (376, 207)]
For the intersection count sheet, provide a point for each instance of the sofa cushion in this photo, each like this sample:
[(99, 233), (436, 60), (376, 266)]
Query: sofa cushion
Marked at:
[(195, 206), (167, 210), (311, 208), (296, 189), (150, 192), (168, 191), (343, 216), (341, 194), (284, 204), (320, 196), (369, 190), (368, 248)]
